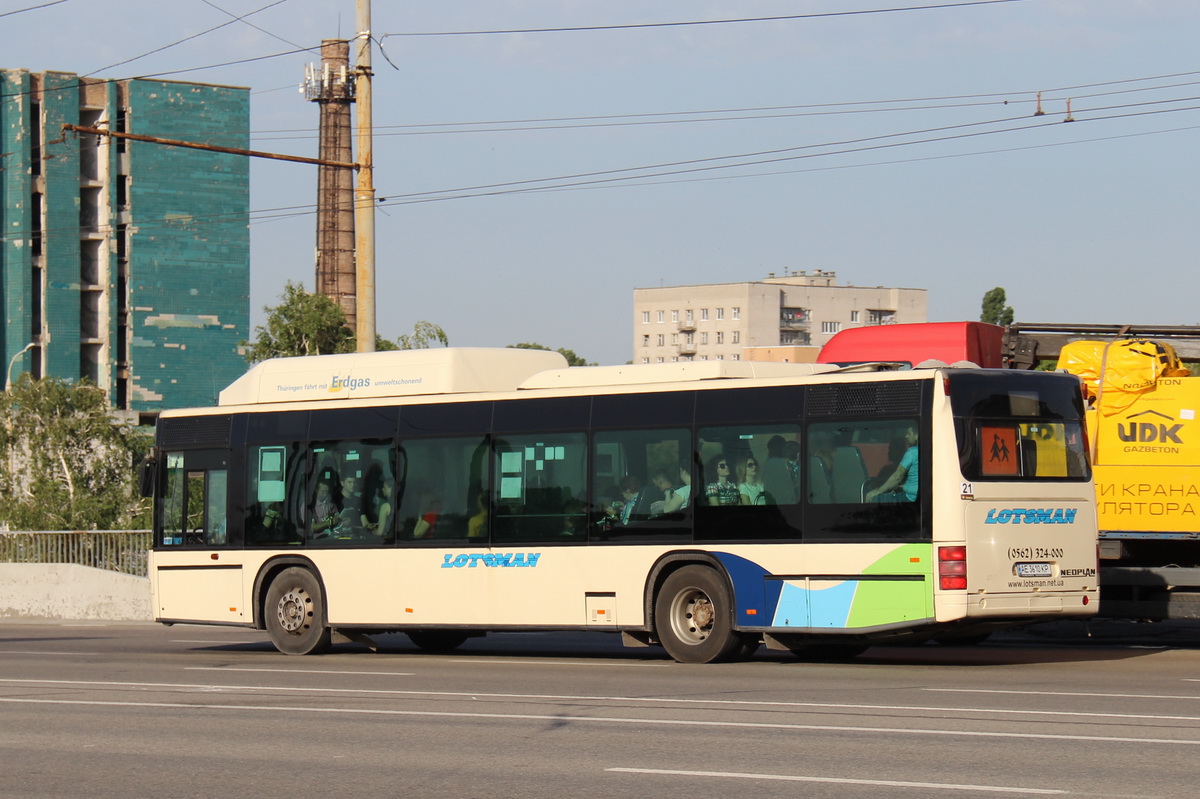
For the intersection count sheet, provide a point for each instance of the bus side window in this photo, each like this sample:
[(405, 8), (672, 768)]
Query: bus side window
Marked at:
[(440, 497), (642, 484), (273, 479), (540, 488)]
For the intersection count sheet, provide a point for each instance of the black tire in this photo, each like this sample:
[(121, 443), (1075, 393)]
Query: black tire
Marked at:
[(692, 615), (294, 613), (437, 640)]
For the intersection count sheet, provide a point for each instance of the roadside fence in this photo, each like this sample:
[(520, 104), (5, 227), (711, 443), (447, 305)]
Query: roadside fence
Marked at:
[(121, 551)]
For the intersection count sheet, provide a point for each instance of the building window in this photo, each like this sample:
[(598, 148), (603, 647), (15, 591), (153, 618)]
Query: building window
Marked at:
[(689, 315), (720, 337), (854, 316), (645, 317), (703, 338), (737, 337), (720, 314), (831, 327), (645, 360), (703, 314), (660, 317), (720, 357), (646, 340), (658, 359), (735, 357), (704, 357), (661, 339), (674, 359), (737, 313), (674, 316), (674, 338)]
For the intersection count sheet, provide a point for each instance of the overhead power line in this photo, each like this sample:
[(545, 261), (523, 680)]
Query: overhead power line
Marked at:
[(684, 23), (32, 8)]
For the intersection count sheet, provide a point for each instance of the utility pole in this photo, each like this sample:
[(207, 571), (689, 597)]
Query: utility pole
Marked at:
[(364, 196)]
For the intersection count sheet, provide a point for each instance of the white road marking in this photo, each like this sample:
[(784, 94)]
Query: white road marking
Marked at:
[(581, 697), (1056, 693), (304, 671), (839, 780), (606, 663), (561, 719)]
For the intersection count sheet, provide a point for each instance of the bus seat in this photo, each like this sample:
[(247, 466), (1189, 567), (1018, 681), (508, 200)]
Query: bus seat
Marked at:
[(849, 475), (818, 482), (777, 482)]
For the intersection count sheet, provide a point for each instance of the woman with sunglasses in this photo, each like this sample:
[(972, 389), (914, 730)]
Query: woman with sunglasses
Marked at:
[(750, 482), (720, 490)]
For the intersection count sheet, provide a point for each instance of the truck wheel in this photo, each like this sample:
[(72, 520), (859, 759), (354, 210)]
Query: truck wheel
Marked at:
[(692, 617), (295, 613)]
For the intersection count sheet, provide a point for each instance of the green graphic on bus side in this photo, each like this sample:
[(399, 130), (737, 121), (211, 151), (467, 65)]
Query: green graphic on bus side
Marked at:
[(879, 602)]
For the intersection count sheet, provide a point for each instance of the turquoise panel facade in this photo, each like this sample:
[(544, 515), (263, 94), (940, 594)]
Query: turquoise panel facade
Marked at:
[(16, 181), (189, 269), (127, 262), (60, 239)]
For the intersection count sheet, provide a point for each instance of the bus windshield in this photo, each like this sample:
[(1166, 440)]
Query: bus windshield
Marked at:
[(1019, 426)]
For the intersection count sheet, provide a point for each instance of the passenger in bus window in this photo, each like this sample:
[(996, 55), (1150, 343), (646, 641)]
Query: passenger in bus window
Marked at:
[(427, 524), (622, 510), (381, 525), (477, 524), (902, 485), (352, 502), (750, 484), (720, 490), (324, 509), (676, 493)]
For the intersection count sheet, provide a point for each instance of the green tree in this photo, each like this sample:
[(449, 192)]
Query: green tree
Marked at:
[(572, 358), (994, 309), (301, 324), (67, 464), (424, 335), (313, 324)]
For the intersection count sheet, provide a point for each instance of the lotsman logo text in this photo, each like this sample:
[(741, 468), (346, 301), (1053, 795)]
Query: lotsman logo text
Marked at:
[(337, 383), (491, 561), (1031, 516)]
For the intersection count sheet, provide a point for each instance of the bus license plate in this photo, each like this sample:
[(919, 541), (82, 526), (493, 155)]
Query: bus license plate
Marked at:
[(1034, 570)]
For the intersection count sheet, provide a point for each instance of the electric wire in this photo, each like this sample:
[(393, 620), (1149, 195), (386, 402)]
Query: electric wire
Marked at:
[(686, 23)]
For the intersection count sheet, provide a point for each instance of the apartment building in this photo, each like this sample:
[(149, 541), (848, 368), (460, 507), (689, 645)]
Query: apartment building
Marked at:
[(732, 321), (124, 262)]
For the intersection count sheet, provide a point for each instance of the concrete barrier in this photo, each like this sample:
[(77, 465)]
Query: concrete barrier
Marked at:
[(64, 591)]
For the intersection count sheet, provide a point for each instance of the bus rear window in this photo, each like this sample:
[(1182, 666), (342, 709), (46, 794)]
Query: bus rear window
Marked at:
[(1019, 426)]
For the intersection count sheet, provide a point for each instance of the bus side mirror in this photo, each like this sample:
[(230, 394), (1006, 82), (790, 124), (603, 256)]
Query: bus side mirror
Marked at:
[(146, 476)]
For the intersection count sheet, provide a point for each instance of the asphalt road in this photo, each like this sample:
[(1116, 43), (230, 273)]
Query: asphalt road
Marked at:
[(140, 710)]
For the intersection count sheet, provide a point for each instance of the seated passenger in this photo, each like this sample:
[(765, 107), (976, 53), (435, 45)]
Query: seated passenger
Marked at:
[(631, 492), (750, 483), (676, 493), (902, 485), (427, 524), (324, 509), (720, 490)]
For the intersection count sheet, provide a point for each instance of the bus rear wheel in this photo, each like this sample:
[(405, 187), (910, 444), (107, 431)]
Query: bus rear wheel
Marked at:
[(692, 615), (295, 614)]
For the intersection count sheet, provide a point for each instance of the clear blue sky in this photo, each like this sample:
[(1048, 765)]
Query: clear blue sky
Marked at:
[(897, 148)]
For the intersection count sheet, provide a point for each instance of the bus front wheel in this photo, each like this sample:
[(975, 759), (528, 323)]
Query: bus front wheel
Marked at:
[(693, 618), (294, 613)]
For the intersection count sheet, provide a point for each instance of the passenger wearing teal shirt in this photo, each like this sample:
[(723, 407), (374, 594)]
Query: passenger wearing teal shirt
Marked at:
[(902, 485)]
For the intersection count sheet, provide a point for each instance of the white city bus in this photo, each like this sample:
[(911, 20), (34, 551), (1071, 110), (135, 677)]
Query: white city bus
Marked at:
[(707, 507)]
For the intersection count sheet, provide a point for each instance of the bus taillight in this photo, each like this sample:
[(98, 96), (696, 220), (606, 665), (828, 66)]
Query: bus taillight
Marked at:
[(952, 568)]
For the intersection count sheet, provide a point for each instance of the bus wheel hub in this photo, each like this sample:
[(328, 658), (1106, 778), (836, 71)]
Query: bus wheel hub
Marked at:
[(292, 610)]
